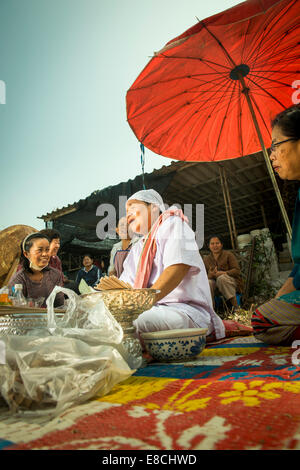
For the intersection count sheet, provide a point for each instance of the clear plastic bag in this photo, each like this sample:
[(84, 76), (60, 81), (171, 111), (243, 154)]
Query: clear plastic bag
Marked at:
[(85, 317), (74, 359), (88, 317)]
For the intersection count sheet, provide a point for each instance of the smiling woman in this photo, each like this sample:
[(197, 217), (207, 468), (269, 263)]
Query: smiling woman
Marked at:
[(166, 258), (36, 276), (278, 321)]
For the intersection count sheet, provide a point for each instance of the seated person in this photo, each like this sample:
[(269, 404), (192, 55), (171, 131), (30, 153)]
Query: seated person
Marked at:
[(36, 276), (278, 320), (103, 267), (223, 271), (90, 273), (54, 237), (167, 258), (55, 262), (121, 249)]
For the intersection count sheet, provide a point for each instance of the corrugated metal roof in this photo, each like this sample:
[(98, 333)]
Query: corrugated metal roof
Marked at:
[(252, 195)]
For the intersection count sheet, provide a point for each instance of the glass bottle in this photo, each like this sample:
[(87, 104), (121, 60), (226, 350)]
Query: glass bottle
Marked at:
[(18, 298)]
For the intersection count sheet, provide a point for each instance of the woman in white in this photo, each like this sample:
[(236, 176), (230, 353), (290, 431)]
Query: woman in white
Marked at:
[(167, 258)]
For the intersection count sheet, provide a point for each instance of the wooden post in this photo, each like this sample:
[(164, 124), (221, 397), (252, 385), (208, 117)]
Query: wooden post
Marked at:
[(263, 215), (230, 208), (227, 207)]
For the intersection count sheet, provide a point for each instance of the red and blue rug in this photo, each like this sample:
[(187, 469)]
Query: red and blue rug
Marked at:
[(241, 395)]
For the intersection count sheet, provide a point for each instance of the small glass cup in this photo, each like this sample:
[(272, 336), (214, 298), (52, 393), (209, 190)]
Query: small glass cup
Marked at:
[(30, 302), (39, 302)]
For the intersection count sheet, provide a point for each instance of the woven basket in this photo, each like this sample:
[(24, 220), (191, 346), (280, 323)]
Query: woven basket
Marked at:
[(127, 304)]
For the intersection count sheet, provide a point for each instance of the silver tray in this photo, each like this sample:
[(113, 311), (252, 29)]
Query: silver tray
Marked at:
[(22, 323)]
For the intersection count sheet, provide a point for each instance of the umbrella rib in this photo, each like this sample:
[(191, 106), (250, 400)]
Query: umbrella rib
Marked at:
[(266, 92), (220, 44), (173, 97), (195, 58), (245, 42), (256, 49), (223, 121), (199, 109), (193, 77), (216, 92), (270, 29), (207, 120), (272, 71), (274, 54), (262, 118), (270, 80), (271, 49)]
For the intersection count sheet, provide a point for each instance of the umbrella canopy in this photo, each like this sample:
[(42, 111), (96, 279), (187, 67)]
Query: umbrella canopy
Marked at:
[(189, 104), (210, 93)]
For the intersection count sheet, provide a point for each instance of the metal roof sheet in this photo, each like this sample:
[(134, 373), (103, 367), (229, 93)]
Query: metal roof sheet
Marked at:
[(252, 195)]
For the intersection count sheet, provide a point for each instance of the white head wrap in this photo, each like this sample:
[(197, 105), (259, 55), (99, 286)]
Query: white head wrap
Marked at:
[(149, 195)]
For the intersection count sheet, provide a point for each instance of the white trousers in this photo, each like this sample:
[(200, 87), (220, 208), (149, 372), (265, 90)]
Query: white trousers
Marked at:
[(166, 317)]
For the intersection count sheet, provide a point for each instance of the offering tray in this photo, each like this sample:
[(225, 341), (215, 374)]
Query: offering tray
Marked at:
[(12, 309), (20, 320)]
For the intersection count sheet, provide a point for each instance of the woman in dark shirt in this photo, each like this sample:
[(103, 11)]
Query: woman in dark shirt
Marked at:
[(90, 273), (36, 276)]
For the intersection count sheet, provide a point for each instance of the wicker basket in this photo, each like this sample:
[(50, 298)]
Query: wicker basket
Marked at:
[(127, 304)]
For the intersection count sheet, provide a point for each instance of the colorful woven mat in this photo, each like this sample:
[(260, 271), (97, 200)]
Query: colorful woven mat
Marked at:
[(239, 395)]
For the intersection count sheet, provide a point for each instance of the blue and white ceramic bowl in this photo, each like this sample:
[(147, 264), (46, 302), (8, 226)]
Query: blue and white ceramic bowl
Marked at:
[(175, 345)]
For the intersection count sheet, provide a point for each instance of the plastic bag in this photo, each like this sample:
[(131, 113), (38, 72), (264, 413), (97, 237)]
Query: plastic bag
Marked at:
[(88, 318), (74, 359), (85, 317)]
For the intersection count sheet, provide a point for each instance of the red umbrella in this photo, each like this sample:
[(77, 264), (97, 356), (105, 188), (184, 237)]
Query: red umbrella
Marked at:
[(210, 93)]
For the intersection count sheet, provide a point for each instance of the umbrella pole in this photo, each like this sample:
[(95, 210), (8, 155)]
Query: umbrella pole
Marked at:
[(266, 157)]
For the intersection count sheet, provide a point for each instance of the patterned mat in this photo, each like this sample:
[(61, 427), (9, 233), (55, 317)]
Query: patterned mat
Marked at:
[(239, 395)]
